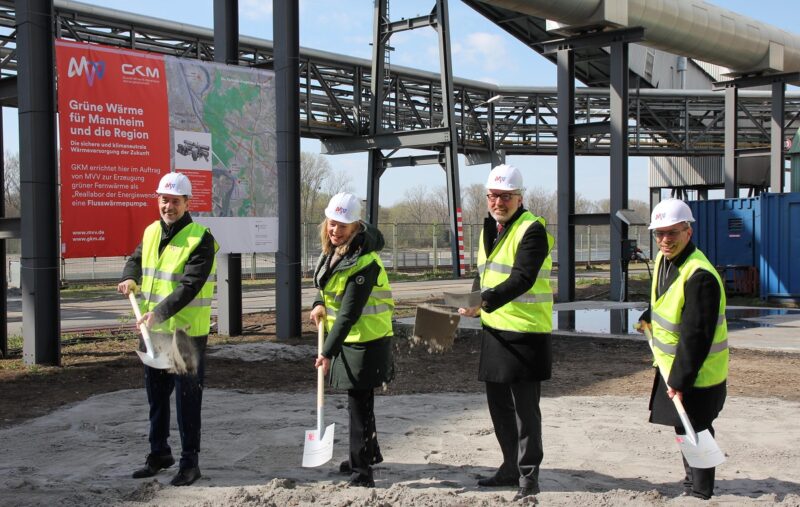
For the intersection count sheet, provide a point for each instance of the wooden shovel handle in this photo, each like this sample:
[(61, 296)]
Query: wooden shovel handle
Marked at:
[(138, 313), (320, 370)]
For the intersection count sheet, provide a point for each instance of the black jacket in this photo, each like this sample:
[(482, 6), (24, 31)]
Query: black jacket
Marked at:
[(698, 323), (508, 356), (195, 272), (358, 365)]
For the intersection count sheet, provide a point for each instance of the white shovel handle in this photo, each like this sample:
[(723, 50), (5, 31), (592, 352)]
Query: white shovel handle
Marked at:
[(148, 343), (320, 380), (687, 425)]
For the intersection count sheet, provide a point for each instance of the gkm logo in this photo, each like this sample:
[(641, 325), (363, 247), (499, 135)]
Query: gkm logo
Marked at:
[(661, 216), (499, 179), (340, 210), (170, 186), (140, 71), (92, 70)]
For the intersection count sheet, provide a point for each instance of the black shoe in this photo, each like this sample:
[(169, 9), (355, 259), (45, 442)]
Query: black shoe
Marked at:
[(528, 495), (344, 466), (498, 481), (362, 482), (186, 476), (153, 463)]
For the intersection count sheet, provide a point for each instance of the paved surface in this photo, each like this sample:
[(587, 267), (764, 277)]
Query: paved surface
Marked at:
[(752, 328)]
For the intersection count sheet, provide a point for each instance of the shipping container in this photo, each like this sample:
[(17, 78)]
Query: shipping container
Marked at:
[(779, 264)]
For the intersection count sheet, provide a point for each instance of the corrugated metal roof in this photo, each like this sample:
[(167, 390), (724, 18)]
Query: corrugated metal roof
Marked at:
[(671, 172)]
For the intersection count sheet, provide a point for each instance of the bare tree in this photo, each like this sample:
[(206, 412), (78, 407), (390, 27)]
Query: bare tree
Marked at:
[(473, 204), (439, 208), (314, 171), (414, 206), (12, 188), (542, 203)]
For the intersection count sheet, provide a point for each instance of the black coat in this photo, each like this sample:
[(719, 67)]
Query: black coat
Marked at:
[(506, 356), (355, 365), (698, 322)]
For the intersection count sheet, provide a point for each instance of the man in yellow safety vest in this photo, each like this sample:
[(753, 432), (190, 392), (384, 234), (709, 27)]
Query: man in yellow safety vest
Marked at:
[(516, 313), (174, 268), (690, 335)]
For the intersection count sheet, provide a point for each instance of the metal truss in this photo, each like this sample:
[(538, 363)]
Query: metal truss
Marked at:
[(335, 95)]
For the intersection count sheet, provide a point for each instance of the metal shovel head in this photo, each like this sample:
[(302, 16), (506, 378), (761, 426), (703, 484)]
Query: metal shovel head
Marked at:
[(159, 361), (318, 451), (435, 327), (705, 454)]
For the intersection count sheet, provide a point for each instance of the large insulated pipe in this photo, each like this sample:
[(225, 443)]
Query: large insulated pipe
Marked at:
[(692, 28)]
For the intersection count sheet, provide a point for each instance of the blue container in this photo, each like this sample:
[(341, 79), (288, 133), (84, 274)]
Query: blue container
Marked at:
[(728, 231), (780, 250)]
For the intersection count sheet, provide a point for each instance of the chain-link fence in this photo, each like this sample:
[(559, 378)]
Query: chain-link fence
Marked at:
[(409, 248)]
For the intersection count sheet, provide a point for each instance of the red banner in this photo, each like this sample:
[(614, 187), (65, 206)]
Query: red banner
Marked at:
[(115, 145)]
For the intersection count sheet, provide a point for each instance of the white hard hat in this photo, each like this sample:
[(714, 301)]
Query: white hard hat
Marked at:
[(175, 184), (344, 208), (504, 177), (670, 212)]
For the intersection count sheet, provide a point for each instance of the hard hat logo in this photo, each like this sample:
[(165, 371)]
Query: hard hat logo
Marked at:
[(341, 210)]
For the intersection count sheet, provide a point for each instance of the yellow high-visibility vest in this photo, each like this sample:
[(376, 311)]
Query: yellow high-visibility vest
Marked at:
[(531, 312), (161, 274), (376, 317), (665, 316)]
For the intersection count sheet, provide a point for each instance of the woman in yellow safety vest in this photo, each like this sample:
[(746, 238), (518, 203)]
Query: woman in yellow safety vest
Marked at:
[(355, 304)]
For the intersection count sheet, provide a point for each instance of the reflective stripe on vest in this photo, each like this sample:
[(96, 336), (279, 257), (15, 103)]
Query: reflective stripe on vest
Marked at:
[(376, 317), (161, 275), (531, 312), (666, 316)]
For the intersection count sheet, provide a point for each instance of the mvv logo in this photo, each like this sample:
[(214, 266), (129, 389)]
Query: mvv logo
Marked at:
[(92, 70)]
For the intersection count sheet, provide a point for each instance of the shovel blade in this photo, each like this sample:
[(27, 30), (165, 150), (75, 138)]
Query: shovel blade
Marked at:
[(705, 454), (157, 361), (318, 451)]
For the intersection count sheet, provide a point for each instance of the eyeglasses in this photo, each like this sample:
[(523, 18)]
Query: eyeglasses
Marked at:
[(502, 197), (659, 235)]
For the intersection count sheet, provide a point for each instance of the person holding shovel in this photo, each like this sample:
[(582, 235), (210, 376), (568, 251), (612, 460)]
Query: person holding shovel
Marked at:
[(355, 304), (690, 345), (516, 313), (174, 269)]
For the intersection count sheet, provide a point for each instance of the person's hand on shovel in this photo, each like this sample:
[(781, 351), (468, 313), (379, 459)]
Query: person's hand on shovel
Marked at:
[(473, 311), (125, 287)]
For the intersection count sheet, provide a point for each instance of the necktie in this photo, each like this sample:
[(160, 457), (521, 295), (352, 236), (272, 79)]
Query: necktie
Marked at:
[(500, 228)]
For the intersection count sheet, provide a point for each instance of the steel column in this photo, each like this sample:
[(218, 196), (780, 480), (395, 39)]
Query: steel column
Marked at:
[(450, 148), (731, 107), (619, 166), (287, 75), (566, 180), (776, 158), (39, 263), (375, 159), (3, 260), (229, 266)]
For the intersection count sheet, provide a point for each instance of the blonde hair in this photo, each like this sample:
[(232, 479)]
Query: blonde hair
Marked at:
[(325, 240)]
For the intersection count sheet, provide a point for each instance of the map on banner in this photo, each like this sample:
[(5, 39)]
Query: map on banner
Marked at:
[(235, 108), (128, 117)]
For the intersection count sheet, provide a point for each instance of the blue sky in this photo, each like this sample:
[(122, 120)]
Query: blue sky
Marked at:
[(481, 51)]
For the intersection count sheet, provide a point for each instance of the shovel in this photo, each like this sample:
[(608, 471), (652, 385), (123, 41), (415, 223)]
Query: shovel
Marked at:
[(318, 448), (150, 358), (699, 449)]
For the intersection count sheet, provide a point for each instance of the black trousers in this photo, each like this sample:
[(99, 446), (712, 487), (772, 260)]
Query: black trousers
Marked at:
[(698, 482), (517, 421), (188, 402), (364, 447)]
